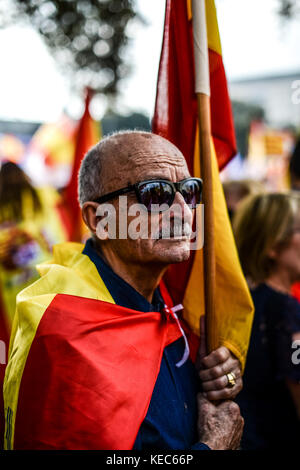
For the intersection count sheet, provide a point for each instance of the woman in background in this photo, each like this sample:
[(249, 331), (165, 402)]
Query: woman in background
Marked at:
[(236, 190), (29, 226), (267, 232)]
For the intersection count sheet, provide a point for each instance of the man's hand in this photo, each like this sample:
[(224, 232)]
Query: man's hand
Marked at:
[(219, 426), (213, 370)]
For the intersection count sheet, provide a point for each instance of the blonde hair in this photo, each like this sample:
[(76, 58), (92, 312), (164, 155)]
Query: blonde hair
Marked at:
[(263, 222)]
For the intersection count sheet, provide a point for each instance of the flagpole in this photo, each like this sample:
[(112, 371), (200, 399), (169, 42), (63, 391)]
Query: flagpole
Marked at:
[(202, 90), (203, 102)]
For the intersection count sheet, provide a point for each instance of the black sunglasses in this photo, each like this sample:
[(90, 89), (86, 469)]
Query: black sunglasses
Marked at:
[(159, 192)]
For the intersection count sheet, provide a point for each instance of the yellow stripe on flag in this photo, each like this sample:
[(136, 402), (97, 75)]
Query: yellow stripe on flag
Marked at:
[(234, 306), (24, 326), (213, 35), (70, 272), (189, 9)]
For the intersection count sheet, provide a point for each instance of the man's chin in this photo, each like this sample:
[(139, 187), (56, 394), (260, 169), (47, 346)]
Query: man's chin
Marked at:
[(180, 257), (174, 251)]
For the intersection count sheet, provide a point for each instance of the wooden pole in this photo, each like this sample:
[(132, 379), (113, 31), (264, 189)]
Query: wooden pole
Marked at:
[(209, 241)]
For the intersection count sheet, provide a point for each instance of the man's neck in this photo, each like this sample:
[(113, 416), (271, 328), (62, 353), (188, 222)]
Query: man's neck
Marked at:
[(144, 280)]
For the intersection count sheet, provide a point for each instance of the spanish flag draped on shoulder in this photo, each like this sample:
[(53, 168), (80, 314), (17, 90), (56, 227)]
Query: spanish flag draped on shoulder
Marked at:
[(81, 368), (190, 46)]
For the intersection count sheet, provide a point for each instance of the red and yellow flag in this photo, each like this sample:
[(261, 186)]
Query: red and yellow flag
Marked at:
[(175, 115), (88, 134), (191, 61), (23, 244), (55, 142), (66, 385)]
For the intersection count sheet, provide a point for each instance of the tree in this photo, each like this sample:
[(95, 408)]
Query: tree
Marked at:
[(289, 8), (87, 37)]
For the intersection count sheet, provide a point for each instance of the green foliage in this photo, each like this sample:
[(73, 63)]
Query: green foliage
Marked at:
[(289, 8), (86, 37)]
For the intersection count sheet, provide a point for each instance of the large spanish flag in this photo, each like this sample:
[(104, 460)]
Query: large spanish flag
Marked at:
[(81, 369), (191, 63)]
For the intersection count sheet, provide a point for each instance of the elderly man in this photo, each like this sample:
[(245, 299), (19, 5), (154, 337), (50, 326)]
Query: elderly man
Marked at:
[(98, 358)]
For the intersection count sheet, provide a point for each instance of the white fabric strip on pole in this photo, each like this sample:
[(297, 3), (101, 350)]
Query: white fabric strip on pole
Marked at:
[(202, 84)]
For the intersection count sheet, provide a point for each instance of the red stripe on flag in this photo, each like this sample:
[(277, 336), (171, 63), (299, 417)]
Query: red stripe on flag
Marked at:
[(221, 112), (89, 375), (175, 116)]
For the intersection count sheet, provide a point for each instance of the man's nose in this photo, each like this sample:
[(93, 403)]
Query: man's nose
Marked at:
[(180, 208)]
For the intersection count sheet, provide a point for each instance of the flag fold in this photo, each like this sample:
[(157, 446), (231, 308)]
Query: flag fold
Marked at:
[(81, 369)]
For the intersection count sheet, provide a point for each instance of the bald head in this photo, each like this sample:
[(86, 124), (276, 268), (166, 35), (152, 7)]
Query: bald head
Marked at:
[(124, 158), (116, 162)]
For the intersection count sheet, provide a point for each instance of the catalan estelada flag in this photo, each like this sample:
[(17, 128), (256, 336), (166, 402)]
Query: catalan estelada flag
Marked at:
[(182, 72), (81, 369)]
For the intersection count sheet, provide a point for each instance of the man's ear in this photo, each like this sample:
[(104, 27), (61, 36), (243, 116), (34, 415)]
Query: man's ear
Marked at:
[(89, 216)]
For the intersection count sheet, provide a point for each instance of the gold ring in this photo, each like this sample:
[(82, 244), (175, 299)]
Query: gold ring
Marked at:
[(231, 379)]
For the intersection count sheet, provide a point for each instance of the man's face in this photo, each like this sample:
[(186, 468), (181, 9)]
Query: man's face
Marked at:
[(149, 157)]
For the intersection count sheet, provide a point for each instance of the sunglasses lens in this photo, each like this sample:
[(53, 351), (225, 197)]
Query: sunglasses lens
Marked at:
[(191, 191), (155, 192)]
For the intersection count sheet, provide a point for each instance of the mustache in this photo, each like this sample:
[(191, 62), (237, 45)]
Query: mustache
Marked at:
[(177, 229)]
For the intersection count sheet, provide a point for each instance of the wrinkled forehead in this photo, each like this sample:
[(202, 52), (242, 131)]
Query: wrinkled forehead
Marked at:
[(141, 156)]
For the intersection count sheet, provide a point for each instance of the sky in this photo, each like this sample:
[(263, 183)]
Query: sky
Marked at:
[(254, 42)]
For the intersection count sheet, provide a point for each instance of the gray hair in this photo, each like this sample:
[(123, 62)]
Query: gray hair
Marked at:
[(89, 176), (90, 185)]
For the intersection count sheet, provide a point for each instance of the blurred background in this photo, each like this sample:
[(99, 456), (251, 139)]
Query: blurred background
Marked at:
[(50, 51), (74, 70)]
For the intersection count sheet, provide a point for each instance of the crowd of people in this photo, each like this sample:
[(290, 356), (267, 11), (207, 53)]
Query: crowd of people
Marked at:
[(266, 227), (172, 414)]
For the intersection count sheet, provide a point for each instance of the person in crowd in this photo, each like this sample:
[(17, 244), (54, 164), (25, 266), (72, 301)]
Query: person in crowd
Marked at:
[(29, 226), (267, 233), (294, 179), (99, 360), (236, 190), (294, 168)]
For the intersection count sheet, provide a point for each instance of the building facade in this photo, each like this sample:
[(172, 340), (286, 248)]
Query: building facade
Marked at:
[(278, 95)]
